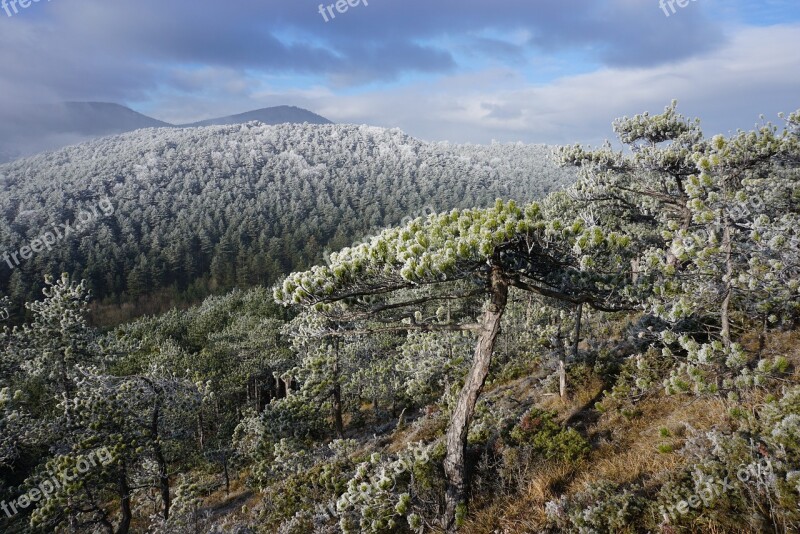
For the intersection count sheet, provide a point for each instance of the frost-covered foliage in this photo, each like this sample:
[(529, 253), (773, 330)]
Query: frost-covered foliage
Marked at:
[(572, 256), (69, 408), (601, 507), (12, 422), (714, 217), (380, 496), (749, 474), (711, 368), (232, 206), (745, 215), (431, 363)]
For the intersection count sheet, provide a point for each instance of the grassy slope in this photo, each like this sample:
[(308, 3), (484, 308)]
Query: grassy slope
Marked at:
[(627, 446)]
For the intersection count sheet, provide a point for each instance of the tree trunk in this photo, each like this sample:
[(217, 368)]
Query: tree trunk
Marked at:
[(336, 393), (225, 471), (125, 500), (576, 341), (201, 433), (288, 385), (454, 462), (337, 411), (158, 453), (560, 342), (725, 321)]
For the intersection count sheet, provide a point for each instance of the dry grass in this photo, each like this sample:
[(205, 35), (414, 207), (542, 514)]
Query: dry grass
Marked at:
[(580, 397), (426, 429), (629, 453), (524, 512), (630, 447), (633, 454)]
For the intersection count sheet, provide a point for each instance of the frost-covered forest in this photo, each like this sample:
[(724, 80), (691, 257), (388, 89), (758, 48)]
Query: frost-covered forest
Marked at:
[(608, 345), (204, 210)]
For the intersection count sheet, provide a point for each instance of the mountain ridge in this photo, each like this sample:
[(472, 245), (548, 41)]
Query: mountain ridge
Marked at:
[(272, 115), (54, 126)]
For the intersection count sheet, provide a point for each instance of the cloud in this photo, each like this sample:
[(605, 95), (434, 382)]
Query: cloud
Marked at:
[(102, 49), (758, 71), (456, 69)]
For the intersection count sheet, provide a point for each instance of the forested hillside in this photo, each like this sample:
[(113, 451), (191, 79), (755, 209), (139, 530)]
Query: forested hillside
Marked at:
[(208, 209), (618, 357)]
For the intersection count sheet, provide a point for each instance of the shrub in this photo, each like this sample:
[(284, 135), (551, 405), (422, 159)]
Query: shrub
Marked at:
[(602, 507), (379, 497), (538, 431)]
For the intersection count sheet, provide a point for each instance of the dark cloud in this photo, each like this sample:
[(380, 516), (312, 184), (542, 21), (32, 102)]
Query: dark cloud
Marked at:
[(98, 49), (458, 69)]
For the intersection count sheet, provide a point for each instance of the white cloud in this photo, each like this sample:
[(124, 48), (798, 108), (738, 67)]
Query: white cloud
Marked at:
[(758, 71)]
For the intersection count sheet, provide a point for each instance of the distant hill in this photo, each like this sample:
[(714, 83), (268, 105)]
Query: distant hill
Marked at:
[(100, 119), (55, 126), (273, 116), (52, 126)]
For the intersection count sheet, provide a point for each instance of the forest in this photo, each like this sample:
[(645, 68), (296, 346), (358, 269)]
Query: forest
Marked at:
[(201, 211), (574, 339)]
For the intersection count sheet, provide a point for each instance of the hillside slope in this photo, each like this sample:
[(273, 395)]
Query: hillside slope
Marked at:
[(211, 208)]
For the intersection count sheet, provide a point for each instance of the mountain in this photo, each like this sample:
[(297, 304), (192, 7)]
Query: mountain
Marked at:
[(100, 119), (54, 126), (274, 115), (211, 208)]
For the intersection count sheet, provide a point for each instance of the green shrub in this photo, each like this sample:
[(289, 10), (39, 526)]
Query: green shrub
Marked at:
[(538, 431)]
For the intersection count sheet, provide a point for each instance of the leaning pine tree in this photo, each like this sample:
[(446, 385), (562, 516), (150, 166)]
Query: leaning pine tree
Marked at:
[(456, 256)]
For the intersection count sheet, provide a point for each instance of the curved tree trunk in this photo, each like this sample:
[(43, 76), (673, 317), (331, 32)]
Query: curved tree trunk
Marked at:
[(454, 464)]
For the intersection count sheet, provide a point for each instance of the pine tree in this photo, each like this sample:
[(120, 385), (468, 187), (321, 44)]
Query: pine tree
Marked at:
[(491, 250)]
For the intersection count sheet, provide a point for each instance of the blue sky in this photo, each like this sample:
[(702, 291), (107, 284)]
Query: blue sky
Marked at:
[(551, 71)]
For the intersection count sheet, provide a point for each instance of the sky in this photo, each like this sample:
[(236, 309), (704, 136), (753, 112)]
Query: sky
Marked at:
[(536, 71)]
